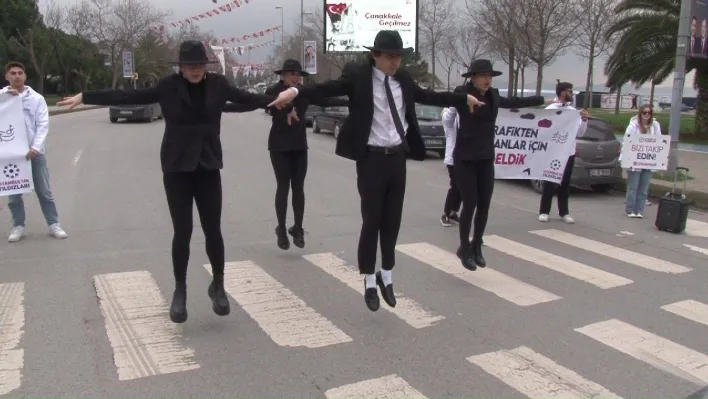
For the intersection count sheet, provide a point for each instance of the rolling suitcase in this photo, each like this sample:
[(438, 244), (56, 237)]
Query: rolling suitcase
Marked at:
[(673, 208)]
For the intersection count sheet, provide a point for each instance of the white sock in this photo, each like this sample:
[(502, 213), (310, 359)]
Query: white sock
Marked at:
[(370, 280), (386, 277)]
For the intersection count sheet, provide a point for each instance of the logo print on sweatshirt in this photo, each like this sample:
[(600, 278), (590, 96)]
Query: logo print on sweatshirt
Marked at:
[(7, 135)]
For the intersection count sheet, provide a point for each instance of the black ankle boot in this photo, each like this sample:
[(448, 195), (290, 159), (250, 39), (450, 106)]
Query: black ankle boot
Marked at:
[(283, 241), (219, 300), (464, 252), (477, 250), (298, 236), (178, 309)]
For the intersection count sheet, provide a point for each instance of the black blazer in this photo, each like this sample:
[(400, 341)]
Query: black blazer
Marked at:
[(476, 135), (191, 138), (356, 82)]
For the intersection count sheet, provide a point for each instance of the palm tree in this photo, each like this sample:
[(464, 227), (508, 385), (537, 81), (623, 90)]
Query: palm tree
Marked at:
[(646, 34)]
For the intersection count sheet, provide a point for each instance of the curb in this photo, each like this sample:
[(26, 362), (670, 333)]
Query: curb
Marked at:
[(699, 199), (67, 111)]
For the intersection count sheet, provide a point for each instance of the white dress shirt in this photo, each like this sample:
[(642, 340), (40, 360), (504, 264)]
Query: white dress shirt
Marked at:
[(581, 128), (451, 123), (383, 130), (36, 117)]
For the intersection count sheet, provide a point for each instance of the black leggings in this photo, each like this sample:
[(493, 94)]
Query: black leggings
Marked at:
[(204, 187), (475, 180), (290, 169)]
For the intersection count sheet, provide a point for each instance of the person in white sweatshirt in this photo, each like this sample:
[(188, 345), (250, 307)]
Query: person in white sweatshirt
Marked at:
[(453, 199), (37, 124), (638, 179), (564, 93)]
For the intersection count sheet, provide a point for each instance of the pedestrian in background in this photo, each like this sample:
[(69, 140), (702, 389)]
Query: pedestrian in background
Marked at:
[(453, 200), (37, 126), (638, 179)]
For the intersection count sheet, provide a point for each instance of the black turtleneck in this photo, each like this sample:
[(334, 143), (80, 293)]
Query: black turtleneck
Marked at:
[(197, 95)]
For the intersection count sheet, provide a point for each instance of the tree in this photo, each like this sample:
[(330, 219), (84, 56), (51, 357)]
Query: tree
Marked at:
[(436, 25), (448, 59), (35, 43), (503, 40), (646, 47), (545, 30), (415, 66), (116, 25), (467, 45), (595, 17)]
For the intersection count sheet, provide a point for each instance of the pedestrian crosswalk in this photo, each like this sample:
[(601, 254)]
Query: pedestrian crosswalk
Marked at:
[(145, 343)]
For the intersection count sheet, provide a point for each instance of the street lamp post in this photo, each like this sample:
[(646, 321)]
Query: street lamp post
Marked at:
[(679, 81)]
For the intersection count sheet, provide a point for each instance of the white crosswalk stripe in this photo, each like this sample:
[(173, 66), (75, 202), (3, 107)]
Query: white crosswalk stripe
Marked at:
[(146, 343), (286, 319)]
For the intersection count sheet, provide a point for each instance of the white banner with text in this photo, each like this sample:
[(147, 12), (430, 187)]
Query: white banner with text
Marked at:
[(646, 151), (534, 144), (15, 169)]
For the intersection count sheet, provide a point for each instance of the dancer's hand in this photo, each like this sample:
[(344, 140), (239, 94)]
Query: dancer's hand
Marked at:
[(284, 98), (292, 116), (584, 115), (473, 102), (72, 102)]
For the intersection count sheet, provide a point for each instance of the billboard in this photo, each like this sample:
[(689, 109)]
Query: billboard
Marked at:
[(349, 25), (698, 39)]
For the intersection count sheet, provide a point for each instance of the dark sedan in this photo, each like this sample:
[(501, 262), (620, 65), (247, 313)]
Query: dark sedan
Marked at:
[(596, 159), (144, 113), (431, 129), (329, 119)]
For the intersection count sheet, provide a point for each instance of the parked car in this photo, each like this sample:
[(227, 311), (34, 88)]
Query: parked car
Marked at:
[(312, 110), (144, 113), (596, 159), (431, 128), (330, 119)]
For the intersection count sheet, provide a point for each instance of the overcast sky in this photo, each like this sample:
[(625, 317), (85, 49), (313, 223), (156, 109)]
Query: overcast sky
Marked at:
[(261, 14)]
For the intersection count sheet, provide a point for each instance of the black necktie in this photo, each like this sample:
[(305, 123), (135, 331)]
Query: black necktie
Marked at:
[(394, 114)]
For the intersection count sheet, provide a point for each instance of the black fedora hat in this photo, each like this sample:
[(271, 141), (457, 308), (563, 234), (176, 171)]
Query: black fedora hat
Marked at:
[(390, 42), (291, 65), (480, 66), (192, 52)]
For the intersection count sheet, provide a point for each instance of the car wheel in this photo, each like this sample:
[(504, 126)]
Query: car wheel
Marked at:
[(113, 120), (601, 188), (315, 126), (537, 185), (335, 131)]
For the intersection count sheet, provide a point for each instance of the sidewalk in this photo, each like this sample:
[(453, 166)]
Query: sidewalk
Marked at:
[(54, 110), (696, 188)]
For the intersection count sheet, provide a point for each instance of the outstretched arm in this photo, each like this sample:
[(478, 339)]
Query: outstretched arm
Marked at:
[(331, 102), (521, 102), (439, 98), (245, 98), (120, 97), (342, 86)]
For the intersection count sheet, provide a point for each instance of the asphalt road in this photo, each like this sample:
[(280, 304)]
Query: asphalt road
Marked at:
[(608, 307)]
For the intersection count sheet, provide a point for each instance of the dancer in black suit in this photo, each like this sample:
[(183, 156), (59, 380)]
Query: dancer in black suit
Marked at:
[(192, 102), (287, 144), (474, 156), (379, 132)]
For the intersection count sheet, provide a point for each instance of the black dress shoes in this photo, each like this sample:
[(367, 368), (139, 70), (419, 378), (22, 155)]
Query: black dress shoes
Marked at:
[(298, 236), (219, 300), (283, 241), (477, 253), (386, 291), (371, 297), (466, 255), (178, 309)]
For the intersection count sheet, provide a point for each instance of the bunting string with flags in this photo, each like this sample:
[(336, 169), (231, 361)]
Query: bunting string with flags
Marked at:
[(228, 7), (247, 37), (240, 50)]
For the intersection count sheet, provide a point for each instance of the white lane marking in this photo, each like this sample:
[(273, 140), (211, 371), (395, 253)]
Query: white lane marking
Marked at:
[(692, 310), (497, 283), (571, 268), (537, 376), (623, 255), (696, 228), (388, 387), (12, 321), (77, 158), (626, 233), (406, 309), (145, 342), (654, 350), (286, 319), (694, 248)]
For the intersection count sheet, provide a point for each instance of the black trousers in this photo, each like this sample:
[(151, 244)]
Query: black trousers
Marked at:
[(453, 200), (290, 168), (562, 191), (475, 180), (381, 180), (183, 189)]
